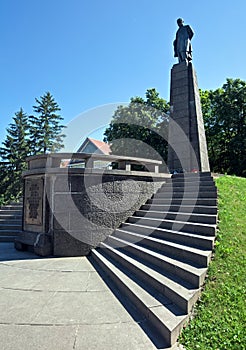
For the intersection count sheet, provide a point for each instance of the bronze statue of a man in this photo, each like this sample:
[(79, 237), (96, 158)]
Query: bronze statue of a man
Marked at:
[(182, 44)]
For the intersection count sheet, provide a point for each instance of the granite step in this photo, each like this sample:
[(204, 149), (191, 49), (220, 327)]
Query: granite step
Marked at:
[(183, 201), (185, 195), (189, 239), (190, 227), (10, 221), (189, 255), (202, 209), (201, 175), (197, 218), (166, 322), (188, 179), (10, 232), (9, 235), (9, 226), (11, 216), (183, 297), (187, 188), (17, 207), (15, 220), (13, 211), (162, 251), (187, 275), (191, 183)]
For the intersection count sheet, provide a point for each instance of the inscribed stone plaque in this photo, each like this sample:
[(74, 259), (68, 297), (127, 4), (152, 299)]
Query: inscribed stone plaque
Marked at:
[(34, 201)]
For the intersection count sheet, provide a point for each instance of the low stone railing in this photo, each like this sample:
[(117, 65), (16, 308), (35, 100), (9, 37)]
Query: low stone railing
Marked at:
[(57, 160)]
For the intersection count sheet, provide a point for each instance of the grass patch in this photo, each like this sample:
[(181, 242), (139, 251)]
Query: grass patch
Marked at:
[(220, 315)]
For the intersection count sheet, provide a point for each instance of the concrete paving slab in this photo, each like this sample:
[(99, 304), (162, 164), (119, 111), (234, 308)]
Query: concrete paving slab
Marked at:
[(22, 278), (28, 264), (24, 337), (64, 281), (69, 264), (21, 306), (82, 308), (120, 336), (95, 284), (61, 303)]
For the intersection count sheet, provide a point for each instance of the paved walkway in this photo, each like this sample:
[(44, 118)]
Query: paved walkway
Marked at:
[(61, 304)]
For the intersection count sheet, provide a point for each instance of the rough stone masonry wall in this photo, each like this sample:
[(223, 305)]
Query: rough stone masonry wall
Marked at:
[(88, 207)]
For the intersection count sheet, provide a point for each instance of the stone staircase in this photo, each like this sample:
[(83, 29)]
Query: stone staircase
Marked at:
[(157, 261), (10, 221)]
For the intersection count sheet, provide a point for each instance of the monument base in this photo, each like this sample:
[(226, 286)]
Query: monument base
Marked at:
[(187, 141), (69, 211)]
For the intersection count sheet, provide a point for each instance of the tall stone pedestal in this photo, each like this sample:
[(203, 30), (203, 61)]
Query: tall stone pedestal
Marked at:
[(187, 150)]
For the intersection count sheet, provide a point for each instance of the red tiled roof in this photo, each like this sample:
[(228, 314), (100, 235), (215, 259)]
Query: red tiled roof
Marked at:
[(103, 146)]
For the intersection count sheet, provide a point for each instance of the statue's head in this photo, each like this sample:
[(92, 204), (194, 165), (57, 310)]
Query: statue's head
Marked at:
[(180, 22)]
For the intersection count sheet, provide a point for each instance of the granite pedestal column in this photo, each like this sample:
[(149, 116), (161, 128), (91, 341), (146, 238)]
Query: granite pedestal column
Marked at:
[(187, 151)]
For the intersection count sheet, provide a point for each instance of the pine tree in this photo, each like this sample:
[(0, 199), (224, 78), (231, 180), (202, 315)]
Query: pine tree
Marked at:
[(45, 127), (13, 155)]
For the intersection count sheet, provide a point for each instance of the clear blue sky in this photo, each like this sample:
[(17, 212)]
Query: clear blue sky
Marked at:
[(89, 53)]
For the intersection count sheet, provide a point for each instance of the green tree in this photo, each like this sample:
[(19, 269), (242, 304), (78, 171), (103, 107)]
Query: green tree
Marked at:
[(140, 129), (45, 126), (13, 154), (224, 112)]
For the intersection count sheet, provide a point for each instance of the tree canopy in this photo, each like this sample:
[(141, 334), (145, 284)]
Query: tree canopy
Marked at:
[(224, 113), (140, 129)]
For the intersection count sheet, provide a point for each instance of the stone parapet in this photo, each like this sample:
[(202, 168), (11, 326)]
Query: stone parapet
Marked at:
[(68, 211)]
